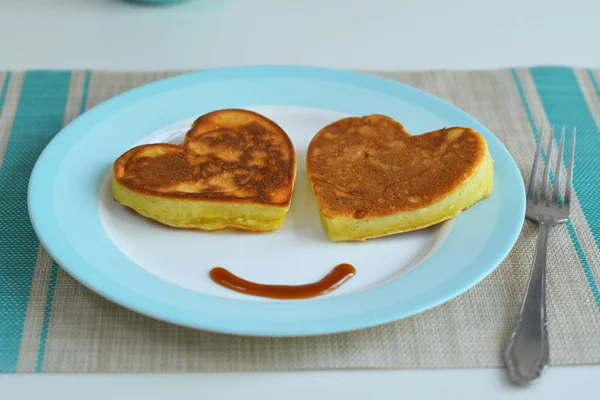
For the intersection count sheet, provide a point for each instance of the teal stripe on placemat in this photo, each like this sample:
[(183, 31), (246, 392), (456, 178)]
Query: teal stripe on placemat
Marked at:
[(4, 90), (38, 118), (84, 94), (594, 82), (565, 105), (574, 239), (39, 365)]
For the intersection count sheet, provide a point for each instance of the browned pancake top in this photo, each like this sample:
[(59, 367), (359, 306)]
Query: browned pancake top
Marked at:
[(369, 167), (228, 155)]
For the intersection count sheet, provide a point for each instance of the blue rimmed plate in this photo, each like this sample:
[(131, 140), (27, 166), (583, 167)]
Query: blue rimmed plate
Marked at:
[(163, 273)]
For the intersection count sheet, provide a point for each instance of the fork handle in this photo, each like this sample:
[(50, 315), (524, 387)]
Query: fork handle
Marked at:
[(527, 349)]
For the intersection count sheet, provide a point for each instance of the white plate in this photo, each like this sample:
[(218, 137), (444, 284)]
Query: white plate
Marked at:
[(163, 272)]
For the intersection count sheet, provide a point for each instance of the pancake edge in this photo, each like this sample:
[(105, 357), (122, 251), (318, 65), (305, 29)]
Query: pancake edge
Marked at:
[(474, 188), (201, 214)]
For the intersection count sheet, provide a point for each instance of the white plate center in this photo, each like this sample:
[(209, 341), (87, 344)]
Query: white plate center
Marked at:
[(298, 253)]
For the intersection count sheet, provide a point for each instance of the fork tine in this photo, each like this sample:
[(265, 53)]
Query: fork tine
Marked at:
[(534, 168), (547, 167), (558, 167), (570, 171)]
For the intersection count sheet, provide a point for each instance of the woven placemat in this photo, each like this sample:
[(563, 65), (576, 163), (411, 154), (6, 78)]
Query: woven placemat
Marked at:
[(51, 323)]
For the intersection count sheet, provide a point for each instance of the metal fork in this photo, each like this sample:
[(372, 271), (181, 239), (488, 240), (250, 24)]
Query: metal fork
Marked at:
[(526, 352)]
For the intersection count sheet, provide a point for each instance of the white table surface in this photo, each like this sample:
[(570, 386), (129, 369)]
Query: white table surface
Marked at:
[(356, 34)]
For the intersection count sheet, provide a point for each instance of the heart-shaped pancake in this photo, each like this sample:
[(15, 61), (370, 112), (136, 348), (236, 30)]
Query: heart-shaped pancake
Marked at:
[(372, 178), (235, 169)]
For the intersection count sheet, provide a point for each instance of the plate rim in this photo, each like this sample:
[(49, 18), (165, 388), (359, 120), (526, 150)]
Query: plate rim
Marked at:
[(41, 230)]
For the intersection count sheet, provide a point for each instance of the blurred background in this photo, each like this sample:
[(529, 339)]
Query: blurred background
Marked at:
[(358, 34)]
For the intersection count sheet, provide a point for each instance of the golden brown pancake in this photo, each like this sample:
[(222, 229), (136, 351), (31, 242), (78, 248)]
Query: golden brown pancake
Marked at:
[(235, 169), (372, 178)]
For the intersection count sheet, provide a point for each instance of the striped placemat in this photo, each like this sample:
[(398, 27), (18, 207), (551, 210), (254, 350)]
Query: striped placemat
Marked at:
[(50, 323)]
